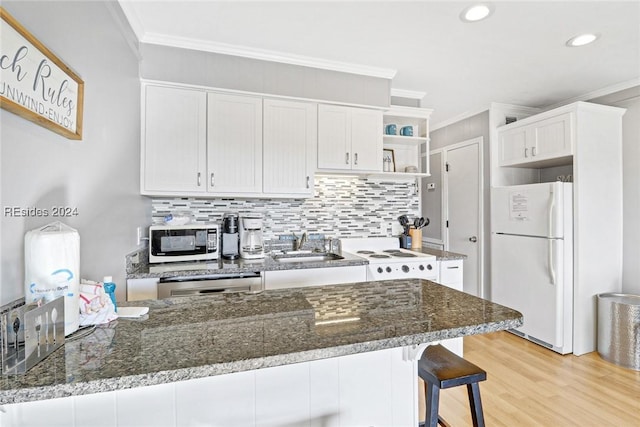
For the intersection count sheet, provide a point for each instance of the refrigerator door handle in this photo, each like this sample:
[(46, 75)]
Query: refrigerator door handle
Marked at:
[(551, 227), (552, 270)]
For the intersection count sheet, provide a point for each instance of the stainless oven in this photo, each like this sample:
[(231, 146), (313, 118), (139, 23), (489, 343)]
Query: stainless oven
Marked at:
[(209, 284)]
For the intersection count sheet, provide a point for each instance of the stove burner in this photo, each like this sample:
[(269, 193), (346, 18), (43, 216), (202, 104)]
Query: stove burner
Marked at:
[(404, 255), (365, 252), (392, 251), (379, 256)]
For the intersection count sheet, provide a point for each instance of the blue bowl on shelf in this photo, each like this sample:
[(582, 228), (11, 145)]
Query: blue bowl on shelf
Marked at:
[(391, 129)]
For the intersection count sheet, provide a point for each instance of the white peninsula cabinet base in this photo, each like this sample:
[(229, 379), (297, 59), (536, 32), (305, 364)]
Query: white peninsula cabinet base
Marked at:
[(378, 388)]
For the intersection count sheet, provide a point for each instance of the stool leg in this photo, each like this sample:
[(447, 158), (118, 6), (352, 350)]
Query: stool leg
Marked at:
[(432, 399), (476, 404)]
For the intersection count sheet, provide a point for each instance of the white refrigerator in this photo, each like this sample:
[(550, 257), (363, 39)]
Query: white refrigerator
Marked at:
[(532, 259)]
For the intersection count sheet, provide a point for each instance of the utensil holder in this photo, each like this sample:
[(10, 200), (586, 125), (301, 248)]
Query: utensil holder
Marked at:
[(416, 238), (30, 334)]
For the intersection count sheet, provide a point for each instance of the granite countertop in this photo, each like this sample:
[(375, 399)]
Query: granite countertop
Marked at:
[(194, 337), (223, 266), (440, 254)]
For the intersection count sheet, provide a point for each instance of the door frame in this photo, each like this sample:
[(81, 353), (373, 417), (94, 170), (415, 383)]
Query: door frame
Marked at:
[(444, 183)]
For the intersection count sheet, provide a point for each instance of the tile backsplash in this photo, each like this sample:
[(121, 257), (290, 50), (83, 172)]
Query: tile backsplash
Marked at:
[(341, 207)]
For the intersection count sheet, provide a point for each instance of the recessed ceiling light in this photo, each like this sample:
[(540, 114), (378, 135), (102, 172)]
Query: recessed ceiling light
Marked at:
[(582, 40), (476, 13)]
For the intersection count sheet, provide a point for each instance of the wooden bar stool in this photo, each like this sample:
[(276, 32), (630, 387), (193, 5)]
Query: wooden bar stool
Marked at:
[(439, 369)]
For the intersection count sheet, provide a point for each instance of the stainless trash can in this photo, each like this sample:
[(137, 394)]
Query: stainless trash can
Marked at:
[(619, 329)]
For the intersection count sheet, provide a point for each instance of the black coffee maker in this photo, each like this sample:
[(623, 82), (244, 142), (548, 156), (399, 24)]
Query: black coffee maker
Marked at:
[(230, 236)]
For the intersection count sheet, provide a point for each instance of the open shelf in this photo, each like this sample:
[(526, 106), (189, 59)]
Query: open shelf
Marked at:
[(405, 140)]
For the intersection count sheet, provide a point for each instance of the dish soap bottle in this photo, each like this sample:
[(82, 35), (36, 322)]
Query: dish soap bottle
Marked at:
[(110, 289)]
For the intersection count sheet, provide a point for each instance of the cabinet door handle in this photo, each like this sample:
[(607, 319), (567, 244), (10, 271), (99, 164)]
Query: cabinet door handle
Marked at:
[(533, 151), (213, 181), (355, 158), (199, 180), (307, 181), (526, 151), (346, 159), (473, 239)]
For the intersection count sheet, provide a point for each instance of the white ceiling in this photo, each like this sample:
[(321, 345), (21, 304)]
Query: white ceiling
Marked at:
[(516, 56)]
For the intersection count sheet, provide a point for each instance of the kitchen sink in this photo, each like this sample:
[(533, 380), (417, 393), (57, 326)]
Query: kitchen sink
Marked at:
[(306, 257)]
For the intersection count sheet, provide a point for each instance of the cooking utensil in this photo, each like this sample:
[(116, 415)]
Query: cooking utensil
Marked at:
[(16, 328), (404, 222), (46, 329), (425, 222), (38, 322), (54, 316)]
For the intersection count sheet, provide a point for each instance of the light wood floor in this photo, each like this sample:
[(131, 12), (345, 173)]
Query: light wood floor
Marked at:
[(528, 385)]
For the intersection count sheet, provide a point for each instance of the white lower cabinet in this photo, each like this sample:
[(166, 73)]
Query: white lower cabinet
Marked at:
[(367, 389), (141, 289), (451, 275), (281, 279)]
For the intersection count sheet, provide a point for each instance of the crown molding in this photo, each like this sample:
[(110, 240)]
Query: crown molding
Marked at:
[(597, 93), (411, 94), (266, 55), (131, 16)]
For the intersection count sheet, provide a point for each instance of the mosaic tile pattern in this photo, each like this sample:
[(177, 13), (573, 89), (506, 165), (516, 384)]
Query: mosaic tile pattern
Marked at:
[(341, 207)]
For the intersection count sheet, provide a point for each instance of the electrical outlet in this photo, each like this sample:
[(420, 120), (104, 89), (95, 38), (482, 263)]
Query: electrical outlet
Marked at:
[(383, 228), (138, 236)]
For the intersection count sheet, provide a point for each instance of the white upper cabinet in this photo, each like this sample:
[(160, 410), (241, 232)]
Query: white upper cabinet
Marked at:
[(349, 138), (289, 145), (234, 142), (546, 142), (366, 140), (173, 140)]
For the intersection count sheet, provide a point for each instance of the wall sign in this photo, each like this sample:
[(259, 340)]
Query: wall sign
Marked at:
[(35, 84)]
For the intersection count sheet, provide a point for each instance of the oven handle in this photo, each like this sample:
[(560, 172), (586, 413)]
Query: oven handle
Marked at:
[(191, 292), (215, 276)]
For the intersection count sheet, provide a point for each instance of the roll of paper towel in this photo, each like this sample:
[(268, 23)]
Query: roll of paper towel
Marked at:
[(52, 269)]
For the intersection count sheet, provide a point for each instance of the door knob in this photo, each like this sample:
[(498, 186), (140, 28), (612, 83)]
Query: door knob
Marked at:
[(473, 239)]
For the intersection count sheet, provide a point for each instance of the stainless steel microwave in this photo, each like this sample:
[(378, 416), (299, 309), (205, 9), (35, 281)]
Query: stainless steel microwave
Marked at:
[(193, 242)]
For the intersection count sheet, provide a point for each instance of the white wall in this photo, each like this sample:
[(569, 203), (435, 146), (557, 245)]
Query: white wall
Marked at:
[(629, 99), (98, 175), (631, 196)]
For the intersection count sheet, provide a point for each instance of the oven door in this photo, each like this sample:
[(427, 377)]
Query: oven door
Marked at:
[(209, 284)]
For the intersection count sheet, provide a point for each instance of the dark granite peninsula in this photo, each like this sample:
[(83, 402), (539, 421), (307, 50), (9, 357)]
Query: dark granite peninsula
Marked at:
[(239, 334)]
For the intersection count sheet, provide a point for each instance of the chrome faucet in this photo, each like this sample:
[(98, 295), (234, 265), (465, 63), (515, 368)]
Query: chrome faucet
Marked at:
[(298, 243)]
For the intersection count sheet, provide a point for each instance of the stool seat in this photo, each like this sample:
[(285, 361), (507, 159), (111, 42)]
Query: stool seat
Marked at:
[(446, 369), (440, 369)]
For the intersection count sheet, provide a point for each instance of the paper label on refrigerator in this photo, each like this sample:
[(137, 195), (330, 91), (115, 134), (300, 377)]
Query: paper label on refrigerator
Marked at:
[(518, 206)]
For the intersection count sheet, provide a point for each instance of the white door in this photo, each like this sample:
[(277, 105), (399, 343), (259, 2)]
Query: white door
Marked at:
[(366, 139), (463, 201), (290, 131), (334, 137), (234, 143), (527, 275), (530, 210), (174, 141)]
